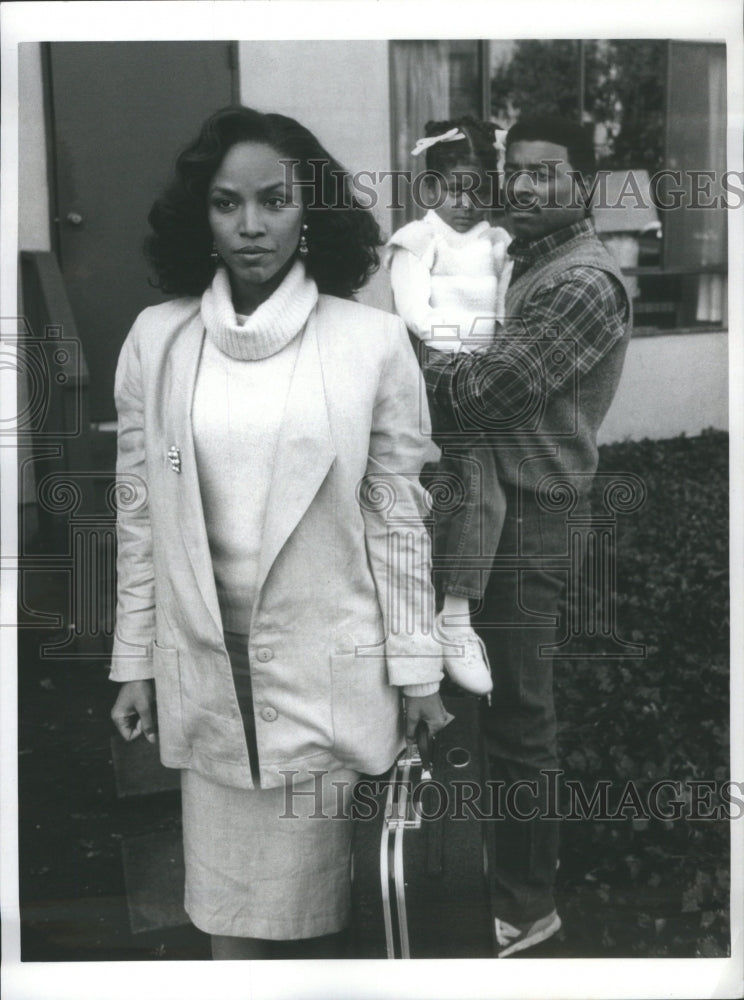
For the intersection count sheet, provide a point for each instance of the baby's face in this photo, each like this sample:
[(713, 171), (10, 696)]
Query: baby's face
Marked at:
[(463, 198)]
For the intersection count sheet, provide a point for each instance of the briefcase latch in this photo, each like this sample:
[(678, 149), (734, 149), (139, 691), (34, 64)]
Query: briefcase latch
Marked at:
[(410, 821), (401, 812)]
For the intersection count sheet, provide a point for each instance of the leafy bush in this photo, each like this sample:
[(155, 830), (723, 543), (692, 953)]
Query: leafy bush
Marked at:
[(648, 886)]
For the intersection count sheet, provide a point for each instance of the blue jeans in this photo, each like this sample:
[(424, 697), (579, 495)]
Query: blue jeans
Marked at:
[(469, 509), (519, 614)]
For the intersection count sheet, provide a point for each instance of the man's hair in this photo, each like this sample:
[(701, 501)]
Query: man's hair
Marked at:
[(579, 141)]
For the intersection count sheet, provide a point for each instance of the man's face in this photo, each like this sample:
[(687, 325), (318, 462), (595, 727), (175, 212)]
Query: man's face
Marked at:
[(541, 198)]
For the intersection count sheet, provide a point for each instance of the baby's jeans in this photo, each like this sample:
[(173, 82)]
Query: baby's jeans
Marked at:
[(469, 507)]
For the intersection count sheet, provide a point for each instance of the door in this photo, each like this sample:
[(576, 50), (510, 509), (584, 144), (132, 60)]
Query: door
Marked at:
[(120, 112)]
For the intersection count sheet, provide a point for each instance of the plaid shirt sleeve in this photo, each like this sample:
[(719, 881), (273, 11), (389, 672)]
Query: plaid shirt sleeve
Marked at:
[(574, 321)]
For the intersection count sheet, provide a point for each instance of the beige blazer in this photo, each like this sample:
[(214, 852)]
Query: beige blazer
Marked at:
[(344, 605)]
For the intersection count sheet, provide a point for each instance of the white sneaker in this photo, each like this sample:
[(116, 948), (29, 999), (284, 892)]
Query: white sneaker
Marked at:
[(465, 658), (512, 939)]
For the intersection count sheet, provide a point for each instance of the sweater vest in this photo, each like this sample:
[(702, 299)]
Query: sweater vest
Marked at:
[(559, 434)]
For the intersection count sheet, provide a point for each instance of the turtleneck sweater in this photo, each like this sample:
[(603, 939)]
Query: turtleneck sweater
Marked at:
[(241, 389), (270, 327)]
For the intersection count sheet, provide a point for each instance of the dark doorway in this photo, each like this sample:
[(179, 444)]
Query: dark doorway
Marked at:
[(119, 112)]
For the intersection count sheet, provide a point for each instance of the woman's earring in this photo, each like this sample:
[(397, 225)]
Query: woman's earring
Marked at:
[(214, 256), (303, 241)]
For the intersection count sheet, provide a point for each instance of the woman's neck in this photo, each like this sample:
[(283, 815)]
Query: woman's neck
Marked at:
[(248, 297)]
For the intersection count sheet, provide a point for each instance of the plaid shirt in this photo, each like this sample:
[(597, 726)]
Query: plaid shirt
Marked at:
[(589, 310)]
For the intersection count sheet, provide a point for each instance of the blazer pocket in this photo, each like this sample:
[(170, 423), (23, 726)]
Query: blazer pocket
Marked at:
[(366, 708), (168, 694)]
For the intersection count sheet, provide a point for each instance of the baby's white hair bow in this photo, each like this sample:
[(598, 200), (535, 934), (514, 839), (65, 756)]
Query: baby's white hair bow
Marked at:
[(454, 135)]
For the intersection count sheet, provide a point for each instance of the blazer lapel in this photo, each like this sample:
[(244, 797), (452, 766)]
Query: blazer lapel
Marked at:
[(183, 359), (305, 451)]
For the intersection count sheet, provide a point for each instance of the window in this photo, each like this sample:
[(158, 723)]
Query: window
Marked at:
[(658, 113)]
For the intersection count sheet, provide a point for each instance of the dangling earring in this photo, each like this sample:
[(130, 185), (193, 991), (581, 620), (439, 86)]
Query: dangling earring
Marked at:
[(214, 256), (303, 241)]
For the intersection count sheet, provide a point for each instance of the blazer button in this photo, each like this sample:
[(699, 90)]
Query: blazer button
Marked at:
[(264, 654), (269, 714)]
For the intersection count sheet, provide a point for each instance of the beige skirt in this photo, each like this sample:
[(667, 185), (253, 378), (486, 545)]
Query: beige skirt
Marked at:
[(264, 863)]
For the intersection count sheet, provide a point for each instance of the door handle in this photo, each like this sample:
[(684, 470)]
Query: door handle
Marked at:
[(74, 218)]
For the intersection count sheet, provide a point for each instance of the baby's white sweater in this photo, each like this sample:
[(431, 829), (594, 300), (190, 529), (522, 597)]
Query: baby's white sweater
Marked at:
[(449, 287)]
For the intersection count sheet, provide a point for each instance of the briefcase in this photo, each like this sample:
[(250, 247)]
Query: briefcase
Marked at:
[(421, 850)]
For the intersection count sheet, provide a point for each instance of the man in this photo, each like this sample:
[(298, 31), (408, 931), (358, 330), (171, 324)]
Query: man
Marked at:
[(537, 395)]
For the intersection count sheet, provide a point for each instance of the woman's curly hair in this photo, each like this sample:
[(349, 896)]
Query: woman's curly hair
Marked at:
[(342, 236), (477, 146)]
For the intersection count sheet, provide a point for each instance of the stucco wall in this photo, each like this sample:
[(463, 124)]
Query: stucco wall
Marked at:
[(341, 93), (670, 385)]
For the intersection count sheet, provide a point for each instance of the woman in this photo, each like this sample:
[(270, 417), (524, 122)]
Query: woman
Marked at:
[(265, 428)]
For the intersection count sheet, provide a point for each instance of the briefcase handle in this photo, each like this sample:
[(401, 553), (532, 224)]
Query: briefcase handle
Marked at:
[(425, 744)]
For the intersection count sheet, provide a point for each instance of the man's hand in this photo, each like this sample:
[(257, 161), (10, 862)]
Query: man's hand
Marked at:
[(134, 711), (431, 710)]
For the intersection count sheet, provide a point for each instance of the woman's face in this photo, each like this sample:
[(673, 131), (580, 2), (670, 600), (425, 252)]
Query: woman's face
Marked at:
[(254, 219), (465, 195)]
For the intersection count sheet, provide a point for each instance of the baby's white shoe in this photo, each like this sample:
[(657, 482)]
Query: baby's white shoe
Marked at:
[(465, 658)]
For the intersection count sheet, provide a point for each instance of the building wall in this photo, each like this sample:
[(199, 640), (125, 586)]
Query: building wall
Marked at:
[(341, 94), (672, 384)]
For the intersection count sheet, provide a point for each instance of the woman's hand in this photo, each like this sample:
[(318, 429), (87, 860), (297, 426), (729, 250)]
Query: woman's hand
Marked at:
[(134, 711), (429, 708)]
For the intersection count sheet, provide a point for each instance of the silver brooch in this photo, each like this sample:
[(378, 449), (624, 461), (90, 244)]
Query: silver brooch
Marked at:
[(174, 457)]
